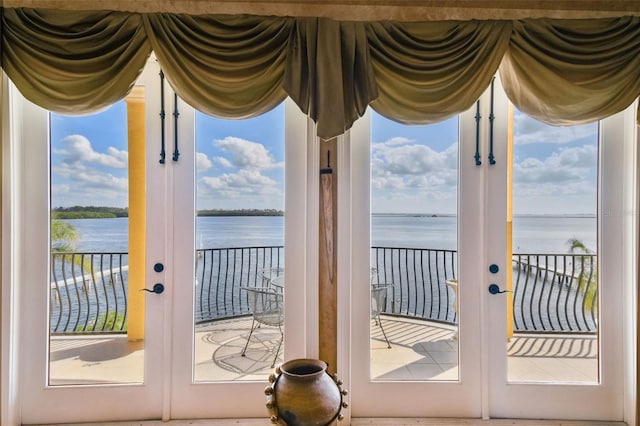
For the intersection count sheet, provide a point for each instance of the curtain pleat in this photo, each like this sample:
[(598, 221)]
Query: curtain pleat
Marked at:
[(227, 66), (329, 73), (566, 72), (427, 72), (73, 62)]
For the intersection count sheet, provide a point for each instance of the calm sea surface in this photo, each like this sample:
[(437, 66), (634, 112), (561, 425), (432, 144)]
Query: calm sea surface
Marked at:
[(532, 234)]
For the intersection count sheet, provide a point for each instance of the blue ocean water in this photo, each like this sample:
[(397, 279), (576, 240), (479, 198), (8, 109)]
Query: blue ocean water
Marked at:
[(531, 234)]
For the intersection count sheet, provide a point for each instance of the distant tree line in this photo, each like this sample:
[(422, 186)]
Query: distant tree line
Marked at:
[(88, 212), (94, 212)]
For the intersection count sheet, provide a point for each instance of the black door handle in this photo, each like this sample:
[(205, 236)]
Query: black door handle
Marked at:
[(157, 289), (495, 289)]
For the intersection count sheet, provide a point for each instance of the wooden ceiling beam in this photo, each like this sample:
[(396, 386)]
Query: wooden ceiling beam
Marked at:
[(360, 10)]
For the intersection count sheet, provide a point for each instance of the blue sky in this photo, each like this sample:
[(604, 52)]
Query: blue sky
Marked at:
[(241, 164)]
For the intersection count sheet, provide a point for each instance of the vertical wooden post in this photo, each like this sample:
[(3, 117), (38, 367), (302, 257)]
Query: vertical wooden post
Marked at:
[(3, 140), (137, 212), (327, 280)]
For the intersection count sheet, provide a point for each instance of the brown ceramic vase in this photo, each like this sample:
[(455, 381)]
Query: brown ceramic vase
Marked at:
[(302, 393)]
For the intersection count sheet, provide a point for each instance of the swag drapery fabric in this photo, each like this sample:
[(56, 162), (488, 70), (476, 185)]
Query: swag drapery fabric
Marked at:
[(559, 71)]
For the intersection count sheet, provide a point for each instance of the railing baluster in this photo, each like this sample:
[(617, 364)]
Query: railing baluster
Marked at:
[(54, 299), (442, 288), (596, 296), (577, 296), (95, 298), (533, 273), (424, 287), (214, 290), (516, 291), (405, 273), (430, 285), (545, 288), (119, 273), (75, 291)]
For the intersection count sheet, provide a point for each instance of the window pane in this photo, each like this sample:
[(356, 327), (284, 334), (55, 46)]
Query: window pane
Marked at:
[(414, 317), (554, 245), (88, 291), (239, 286)]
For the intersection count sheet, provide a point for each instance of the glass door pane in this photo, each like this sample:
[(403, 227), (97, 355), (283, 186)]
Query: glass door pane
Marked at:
[(416, 192), (414, 285), (89, 302), (554, 245), (239, 276)]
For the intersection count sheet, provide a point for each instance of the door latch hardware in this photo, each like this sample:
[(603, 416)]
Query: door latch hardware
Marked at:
[(495, 289), (157, 289)]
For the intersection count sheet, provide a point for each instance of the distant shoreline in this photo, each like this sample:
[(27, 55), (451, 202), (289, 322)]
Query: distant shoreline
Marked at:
[(92, 212), (549, 215)]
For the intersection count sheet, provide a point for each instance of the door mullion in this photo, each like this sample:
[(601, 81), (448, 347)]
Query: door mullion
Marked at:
[(494, 307)]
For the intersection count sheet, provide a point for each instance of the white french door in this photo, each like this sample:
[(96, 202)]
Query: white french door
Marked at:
[(565, 358), (65, 375), (569, 363), (211, 375), (171, 368)]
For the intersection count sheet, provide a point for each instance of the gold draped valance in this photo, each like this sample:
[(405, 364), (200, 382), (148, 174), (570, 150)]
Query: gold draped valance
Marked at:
[(571, 72), (559, 71), (73, 62)]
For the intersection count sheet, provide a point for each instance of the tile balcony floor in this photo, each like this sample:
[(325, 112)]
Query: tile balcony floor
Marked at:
[(420, 350)]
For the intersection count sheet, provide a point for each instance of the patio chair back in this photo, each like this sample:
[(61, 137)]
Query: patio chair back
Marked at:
[(378, 305), (267, 305), (378, 299), (268, 274)]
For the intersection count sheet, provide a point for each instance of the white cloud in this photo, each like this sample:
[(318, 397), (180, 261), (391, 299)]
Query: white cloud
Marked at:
[(565, 165), (401, 163), (245, 189), (528, 130), (85, 177), (77, 149), (414, 178), (224, 162), (84, 186), (202, 162), (245, 181), (247, 154)]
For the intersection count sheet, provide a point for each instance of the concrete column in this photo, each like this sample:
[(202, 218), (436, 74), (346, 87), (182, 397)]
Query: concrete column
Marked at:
[(137, 212)]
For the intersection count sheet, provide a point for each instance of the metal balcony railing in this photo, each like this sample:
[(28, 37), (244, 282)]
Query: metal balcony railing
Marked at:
[(551, 292), (88, 292)]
